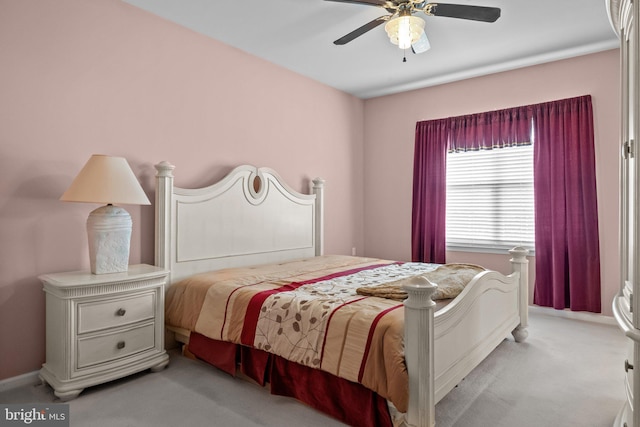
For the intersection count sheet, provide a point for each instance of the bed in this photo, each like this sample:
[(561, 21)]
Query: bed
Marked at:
[(236, 249)]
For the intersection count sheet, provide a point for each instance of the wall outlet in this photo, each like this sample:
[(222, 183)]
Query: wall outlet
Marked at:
[(353, 251)]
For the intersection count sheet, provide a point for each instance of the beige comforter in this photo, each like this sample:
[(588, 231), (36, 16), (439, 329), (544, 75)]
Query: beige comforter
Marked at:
[(307, 311)]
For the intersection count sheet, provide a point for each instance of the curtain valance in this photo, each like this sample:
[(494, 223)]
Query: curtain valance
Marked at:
[(484, 131), (491, 129)]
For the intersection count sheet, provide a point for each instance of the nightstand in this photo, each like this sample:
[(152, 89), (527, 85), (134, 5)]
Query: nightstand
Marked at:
[(102, 327)]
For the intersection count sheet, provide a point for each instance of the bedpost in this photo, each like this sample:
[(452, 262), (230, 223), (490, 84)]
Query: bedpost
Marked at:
[(318, 190), (418, 351), (164, 194), (520, 265)]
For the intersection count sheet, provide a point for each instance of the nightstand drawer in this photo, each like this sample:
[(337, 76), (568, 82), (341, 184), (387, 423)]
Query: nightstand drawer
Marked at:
[(93, 316), (104, 348)]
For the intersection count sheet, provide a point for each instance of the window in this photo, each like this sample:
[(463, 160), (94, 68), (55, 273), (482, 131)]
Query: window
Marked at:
[(490, 204)]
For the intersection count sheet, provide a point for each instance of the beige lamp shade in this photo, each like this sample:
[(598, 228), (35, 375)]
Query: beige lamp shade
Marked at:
[(106, 179), (110, 180)]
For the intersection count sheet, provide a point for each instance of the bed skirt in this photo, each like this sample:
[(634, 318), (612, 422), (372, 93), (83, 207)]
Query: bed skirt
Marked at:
[(344, 400)]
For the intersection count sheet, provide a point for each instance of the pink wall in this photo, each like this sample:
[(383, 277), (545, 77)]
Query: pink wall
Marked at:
[(389, 142), (81, 77)]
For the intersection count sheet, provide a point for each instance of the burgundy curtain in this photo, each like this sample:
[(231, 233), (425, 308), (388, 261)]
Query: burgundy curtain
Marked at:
[(567, 241), (428, 242), (566, 223), (492, 129)]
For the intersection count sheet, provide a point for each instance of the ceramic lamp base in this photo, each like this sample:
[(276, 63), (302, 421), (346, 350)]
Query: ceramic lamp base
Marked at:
[(109, 231)]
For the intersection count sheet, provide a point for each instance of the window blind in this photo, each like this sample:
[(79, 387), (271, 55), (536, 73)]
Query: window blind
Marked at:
[(490, 203)]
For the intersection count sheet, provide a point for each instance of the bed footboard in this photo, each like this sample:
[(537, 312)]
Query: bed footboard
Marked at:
[(493, 292)]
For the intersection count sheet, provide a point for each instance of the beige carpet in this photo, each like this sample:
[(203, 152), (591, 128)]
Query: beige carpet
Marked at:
[(568, 373)]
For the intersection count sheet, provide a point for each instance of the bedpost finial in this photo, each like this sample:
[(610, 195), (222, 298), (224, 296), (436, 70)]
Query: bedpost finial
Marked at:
[(164, 168), (519, 254), (318, 182), (419, 290)]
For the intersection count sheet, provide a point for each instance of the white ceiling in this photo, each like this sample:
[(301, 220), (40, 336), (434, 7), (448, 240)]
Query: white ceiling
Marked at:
[(299, 35)]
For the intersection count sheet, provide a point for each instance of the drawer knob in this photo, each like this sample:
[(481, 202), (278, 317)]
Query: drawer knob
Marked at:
[(121, 312), (627, 366), (120, 345)]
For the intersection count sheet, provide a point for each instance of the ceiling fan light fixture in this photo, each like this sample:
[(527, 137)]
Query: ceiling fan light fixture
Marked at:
[(405, 30)]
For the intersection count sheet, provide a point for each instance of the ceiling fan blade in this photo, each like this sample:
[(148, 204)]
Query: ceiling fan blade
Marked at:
[(463, 11), (381, 3), (360, 31)]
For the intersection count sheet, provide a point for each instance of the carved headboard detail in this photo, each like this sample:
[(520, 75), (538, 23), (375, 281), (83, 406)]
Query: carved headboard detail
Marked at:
[(249, 217)]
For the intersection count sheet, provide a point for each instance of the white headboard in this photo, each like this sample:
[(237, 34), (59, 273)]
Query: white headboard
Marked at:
[(249, 217)]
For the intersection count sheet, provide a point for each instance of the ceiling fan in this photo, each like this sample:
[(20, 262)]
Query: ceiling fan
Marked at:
[(407, 30)]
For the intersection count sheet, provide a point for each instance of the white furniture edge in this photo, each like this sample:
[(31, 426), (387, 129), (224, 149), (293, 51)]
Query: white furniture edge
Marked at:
[(492, 306), (623, 15), (613, 12)]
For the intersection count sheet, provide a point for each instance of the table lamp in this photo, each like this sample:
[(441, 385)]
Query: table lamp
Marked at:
[(110, 180)]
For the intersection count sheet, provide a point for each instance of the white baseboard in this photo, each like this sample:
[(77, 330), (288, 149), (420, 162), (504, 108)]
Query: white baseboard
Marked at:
[(575, 315), (30, 378)]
